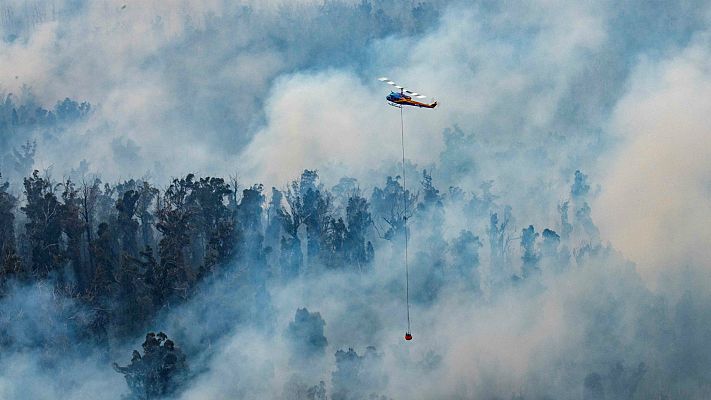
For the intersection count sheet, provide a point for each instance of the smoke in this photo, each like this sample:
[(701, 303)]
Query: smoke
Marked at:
[(40, 321), (528, 95), (463, 63), (655, 206), (177, 79)]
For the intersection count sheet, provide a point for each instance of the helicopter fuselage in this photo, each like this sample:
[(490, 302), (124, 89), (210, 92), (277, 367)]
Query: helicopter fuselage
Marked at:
[(401, 99)]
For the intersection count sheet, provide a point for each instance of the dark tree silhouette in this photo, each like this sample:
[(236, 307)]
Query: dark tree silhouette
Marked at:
[(393, 205), (127, 226), (305, 334), (580, 186), (497, 243), (530, 255), (249, 224), (73, 229), (10, 265), (87, 211), (161, 370), (464, 252), (359, 251), (356, 376), (43, 226), (174, 276)]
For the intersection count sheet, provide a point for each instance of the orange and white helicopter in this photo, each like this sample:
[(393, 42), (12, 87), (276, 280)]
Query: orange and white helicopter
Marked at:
[(404, 97)]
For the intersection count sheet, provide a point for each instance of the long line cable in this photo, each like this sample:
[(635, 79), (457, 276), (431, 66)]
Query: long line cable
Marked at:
[(404, 201)]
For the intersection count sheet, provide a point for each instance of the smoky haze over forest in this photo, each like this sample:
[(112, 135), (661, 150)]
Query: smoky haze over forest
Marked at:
[(229, 174)]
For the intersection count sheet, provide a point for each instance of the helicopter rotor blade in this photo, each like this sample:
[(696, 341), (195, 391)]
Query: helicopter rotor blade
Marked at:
[(415, 94), (410, 92), (389, 82)]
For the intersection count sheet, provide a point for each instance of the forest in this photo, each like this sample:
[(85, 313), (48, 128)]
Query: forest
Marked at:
[(123, 253)]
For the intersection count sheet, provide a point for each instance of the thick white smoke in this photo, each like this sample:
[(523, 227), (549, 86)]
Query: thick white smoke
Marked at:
[(655, 203)]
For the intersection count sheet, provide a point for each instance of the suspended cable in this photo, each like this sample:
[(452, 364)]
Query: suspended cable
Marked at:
[(408, 335)]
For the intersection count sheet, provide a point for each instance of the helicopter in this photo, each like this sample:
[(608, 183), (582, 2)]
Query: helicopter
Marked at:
[(404, 97)]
